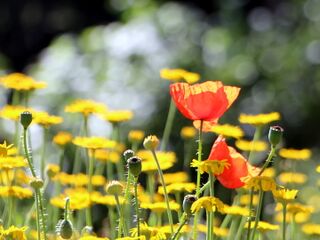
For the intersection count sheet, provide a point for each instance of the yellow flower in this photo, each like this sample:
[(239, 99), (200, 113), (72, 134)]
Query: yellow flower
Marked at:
[(21, 82), (284, 195), (300, 217), (162, 156), (132, 238), (228, 130), (318, 169), (188, 132), (177, 177), (260, 182), (245, 199), (259, 119), (46, 120), (311, 229), (62, 138), (220, 232), (93, 238), (78, 179), (52, 169), (257, 146), (295, 154), (178, 187), (295, 208), (269, 172), (117, 116), (13, 232), (179, 74), (104, 155), (265, 226), (236, 210), (13, 112), (160, 207), (152, 166), (211, 204), (18, 175), (4, 149), (94, 142), (12, 162), (15, 191), (86, 107), (151, 142), (292, 177), (136, 136), (107, 200), (150, 233), (215, 167)]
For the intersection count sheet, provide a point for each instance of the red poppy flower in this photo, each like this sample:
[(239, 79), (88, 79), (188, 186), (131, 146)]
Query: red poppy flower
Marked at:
[(239, 167), (205, 101)]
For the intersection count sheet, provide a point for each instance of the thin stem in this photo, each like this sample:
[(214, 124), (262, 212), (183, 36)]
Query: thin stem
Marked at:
[(121, 217), (137, 204), (90, 173), (26, 153), (256, 136), (183, 221), (168, 126), (43, 154), (204, 187), (270, 156), (250, 215), (240, 229), (42, 214), (165, 191), (37, 215), (196, 216), (293, 226), (257, 218), (284, 221), (210, 223), (66, 209)]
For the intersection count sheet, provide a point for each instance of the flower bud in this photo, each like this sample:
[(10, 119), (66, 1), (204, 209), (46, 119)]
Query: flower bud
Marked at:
[(128, 154), (52, 170), (25, 119), (134, 165), (275, 135), (87, 231), (65, 229), (114, 188), (187, 203), (36, 183), (151, 142)]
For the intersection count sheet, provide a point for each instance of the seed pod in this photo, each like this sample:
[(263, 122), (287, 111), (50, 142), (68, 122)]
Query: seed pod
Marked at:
[(134, 165), (36, 183), (275, 135), (65, 229), (128, 154), (25, 119), (187, 203), (151, 142)]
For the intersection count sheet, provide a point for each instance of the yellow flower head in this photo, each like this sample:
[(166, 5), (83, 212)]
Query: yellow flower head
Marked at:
[(259, 119), (94, 142), (220, 232), (188, 132), (4, 149), (52, 169), (136, 136), (13, 232), (260, 183), (45, 120), (160, 207), (18, 175), (318, 169), (86, 107), (12, 162), (177, 177), (295, 208), (107, 200), (256, 146), (311, 229), (228, 130), (150, 233), (79, 179), (265, 226), (132, 238), (104, 155), (117, 116), (300, 217), (215, 167), (245, 199), (93, 238), (21, 82), (211, 204), (292, 177), (284, 195), (151, 142), (236, 210), (269, 172), (178, 187), (179, 74), (62, 138), (295, 154), (13, 112), (162, 156), (15, 191)]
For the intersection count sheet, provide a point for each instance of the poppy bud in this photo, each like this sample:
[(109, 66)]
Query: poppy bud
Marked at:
[(36, 183), (151, 142), (128, 154), (65, 229), (114, 188), (87, 231), (187, 203), (134, 165), (275, 135), (25, 119)]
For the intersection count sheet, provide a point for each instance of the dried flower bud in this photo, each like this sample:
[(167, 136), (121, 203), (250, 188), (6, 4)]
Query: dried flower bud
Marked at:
[(151, 142), (36, 183), (114, 188), (135, 166), (128, 154), (65, 229), (275, 135), (25, 119), (187, 203)]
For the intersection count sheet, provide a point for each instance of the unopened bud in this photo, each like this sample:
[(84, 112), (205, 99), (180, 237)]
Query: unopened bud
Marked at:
[(36, 183), (114, 188), (135, 166), (65, 229), (151, 142), (128, 154), (25, 119), (275, 135), (187, 203)]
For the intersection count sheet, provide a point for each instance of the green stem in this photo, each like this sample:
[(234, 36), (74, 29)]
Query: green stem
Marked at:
[(183, 221), (120, 225), (165, 191), (257, 218), (233, 228), (240, 229), (43, 154), (270, 156), (26, 153), (284, 221), (210, 223), (168, 126), (204, 187), (293, 227), (66, 209), (196, 216), (38, 215), (150, 179), (137, 204), (250, 213), (26, 99), (90, 173), (256, 136)]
